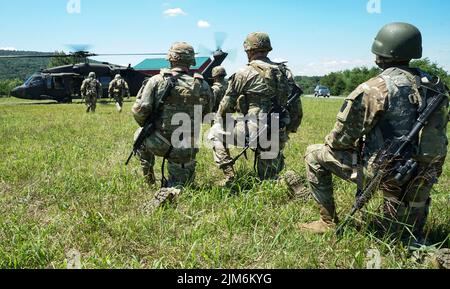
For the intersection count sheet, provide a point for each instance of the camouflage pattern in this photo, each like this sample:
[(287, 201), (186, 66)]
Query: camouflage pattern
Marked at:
[(118, 89), (188, 92), (182, 54), (91, 89), (163, 196), (443, 259), (296, 185), (250, 92), (382, 109), (258, 41), (219, 71), (219, 88)]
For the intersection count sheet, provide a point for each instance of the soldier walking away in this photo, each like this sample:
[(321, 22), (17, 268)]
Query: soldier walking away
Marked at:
[(220, 85), (380, 112), (118, 89), (91, 89), (173, 92), (254, 91)]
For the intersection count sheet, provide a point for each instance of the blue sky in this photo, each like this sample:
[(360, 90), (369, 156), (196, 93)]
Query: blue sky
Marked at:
[(315, 36)]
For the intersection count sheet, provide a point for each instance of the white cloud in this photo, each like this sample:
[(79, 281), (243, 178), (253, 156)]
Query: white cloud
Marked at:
[(327, 66), (8, 48), (203, 24), (174, 12)]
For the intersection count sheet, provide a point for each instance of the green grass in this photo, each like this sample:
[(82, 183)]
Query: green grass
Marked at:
[(63, 186)]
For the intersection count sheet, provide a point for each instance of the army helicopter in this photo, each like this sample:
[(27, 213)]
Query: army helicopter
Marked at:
[(63, 83)]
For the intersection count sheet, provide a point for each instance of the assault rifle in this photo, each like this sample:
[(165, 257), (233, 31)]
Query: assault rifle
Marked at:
[(149, 125), (390, 161), (276, 109)]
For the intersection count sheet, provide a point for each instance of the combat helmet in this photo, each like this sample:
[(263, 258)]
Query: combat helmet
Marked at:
[(92, 75), (219, 71), (258, 41), (182, 53), (399, 41), (118, 76)]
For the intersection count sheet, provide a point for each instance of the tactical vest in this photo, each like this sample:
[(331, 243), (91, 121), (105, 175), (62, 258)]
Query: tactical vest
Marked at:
[(401, 114), (91, 88), (276, 81), (187, 93), (118, 86)]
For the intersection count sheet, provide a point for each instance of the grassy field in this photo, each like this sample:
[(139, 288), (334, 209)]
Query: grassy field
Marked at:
[(63, 186)]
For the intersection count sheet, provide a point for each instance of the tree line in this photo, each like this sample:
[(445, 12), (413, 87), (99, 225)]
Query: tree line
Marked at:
[(15, 71), (344, 82)]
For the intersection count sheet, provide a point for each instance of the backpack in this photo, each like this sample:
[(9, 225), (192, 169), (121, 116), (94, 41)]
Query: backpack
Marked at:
[(433, 141), (279, 86)]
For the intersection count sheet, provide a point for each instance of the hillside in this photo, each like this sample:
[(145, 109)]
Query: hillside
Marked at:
[(21, 68)]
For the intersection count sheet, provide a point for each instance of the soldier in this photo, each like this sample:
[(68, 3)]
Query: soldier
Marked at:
[(91, 89), (253, 91), (118, 89), (220, 85), (377, 112), (189, 91)]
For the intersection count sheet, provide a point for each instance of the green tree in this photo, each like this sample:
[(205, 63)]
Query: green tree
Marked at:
[(61, 61), (7, 85), (432, 68)]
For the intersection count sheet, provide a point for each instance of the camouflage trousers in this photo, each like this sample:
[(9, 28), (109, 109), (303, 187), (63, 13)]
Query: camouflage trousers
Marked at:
[(181, 163), (266, 167), (91, 103), (407, 205), (119, 100)]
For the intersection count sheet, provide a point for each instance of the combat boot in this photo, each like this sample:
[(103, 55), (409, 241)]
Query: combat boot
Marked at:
[(163, 196), (296, 186), (229, 178), (442, 258), (327, 222)]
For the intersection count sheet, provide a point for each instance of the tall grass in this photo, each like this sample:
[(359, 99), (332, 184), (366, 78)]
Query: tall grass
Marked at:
[(63, 186)]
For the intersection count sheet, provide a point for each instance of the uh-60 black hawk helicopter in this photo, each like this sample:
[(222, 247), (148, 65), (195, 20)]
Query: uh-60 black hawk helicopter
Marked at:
[(63, 83)]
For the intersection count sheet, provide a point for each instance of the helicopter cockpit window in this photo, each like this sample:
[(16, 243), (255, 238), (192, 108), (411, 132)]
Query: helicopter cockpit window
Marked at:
[(36, 81)]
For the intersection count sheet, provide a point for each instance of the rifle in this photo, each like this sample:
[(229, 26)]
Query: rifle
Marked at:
[(149, 125), (391, 157), (276, 108)]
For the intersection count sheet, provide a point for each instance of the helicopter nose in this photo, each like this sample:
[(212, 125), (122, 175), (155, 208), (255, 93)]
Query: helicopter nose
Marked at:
[(18, 92)]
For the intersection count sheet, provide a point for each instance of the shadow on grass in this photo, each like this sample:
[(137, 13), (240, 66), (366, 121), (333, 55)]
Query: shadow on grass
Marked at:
[(382, 229)]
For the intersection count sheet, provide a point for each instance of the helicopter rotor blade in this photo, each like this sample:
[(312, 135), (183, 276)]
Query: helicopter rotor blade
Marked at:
[(220, 38), (132, 54), (203, 50), (34, 56), (79, 47)]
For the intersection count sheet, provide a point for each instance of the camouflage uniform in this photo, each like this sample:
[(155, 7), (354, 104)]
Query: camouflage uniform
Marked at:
[(118, 89), (91, 89), (378, 111), (188, 92), (250, 92), (220, 85)]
